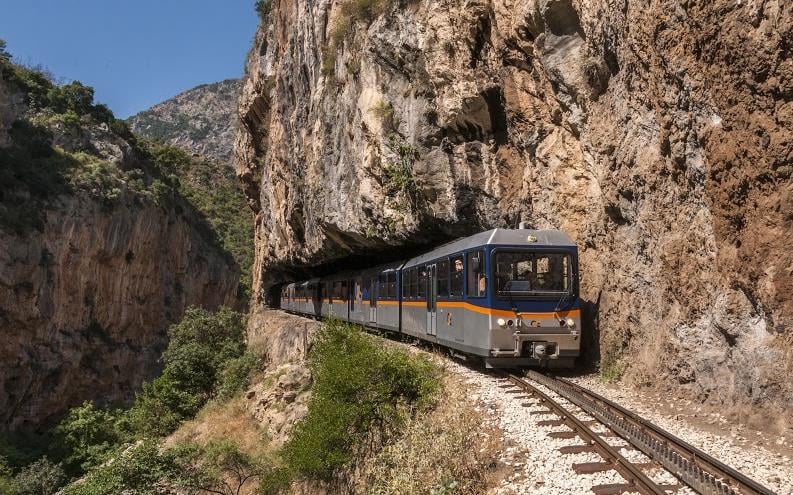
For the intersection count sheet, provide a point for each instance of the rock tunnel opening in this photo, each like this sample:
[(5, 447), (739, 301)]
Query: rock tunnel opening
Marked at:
[(360, 258)]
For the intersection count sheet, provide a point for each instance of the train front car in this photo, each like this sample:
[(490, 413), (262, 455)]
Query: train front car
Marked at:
[(509, 297), (535, 312)]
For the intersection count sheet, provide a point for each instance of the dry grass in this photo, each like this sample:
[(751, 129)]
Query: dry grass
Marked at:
[(224, 421), (447, 450)]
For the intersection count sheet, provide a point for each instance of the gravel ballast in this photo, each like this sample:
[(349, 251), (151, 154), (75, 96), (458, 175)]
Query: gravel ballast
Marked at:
[(534, 465)]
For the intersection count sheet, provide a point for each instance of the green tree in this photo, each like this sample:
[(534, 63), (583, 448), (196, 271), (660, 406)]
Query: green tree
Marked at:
[(139, 469), (85, 437), (199, 348), (4, 55), (74, 96)]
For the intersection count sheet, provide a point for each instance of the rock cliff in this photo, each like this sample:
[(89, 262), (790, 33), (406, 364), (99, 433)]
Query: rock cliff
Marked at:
[(201, 120), (659, 135), (99, 253)]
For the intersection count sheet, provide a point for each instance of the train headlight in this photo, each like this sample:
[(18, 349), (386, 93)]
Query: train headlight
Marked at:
[(570, 322), (501, 322)]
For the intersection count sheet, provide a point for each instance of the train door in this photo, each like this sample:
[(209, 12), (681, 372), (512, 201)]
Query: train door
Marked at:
[(373, 300), (432, 299)]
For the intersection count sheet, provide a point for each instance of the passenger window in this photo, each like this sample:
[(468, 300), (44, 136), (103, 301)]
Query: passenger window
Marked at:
[(457, 276), (382, 286), (352, 292), (392, 290), (414, 275), (443, 278), (422, 288), (477, 283), (405, 284)]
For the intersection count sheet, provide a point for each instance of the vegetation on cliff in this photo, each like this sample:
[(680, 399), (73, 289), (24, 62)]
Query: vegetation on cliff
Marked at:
[(53, 152), (116, 449), (359, 387)]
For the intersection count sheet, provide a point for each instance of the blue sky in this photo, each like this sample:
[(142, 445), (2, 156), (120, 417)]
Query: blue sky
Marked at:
[(134, 53)]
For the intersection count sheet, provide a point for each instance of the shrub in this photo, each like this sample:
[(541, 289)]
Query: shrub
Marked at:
[(425, 458), (74, 97), (398, 174), (7, 484), (263, 8), (235, 375), (199, 348), (218, 467), (42, 477), (85, 437), (140, 469), (385, 112), (4, 55), (358, 386)]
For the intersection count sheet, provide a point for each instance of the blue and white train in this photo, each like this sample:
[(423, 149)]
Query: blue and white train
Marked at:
[(507, 296)]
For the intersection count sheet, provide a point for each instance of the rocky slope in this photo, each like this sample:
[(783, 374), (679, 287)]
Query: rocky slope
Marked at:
[(201, 120), (660, 136), (99, 253)]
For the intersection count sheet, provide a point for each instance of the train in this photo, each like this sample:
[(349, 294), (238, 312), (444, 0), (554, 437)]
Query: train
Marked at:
[(509, 297)]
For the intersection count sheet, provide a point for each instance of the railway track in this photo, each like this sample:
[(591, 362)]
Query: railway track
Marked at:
[(692, 467)]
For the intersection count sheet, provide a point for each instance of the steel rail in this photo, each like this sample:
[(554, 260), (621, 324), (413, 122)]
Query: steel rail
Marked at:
[(637, 480), (697, 469)]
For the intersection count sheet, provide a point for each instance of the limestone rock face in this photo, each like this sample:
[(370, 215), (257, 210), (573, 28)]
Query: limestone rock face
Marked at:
[(660, 136), (201, 120), (87, 294), (86, 302)]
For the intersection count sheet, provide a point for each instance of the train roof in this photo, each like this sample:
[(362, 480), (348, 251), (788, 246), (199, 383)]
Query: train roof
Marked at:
[(545, 238)]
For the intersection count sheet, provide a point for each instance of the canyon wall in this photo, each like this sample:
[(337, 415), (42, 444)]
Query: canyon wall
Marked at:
[(86, 302), (99, 253), (658, 134)]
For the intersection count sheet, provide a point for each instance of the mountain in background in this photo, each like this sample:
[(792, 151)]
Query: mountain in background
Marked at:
[(200, 120)]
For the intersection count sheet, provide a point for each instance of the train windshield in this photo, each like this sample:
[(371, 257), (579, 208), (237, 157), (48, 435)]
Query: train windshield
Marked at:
[(524, 273)]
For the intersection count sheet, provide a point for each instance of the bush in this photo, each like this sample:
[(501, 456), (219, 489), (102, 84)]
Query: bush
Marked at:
[(42, 477), (200, 347), (263, 8), (140, 469), (4, 55), (218, 467), (87, 435), (236, 374), (358, 387)]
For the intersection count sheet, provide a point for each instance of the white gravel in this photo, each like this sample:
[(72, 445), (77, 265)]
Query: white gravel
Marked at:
[(538, 466), (535, 466), (726, 442)]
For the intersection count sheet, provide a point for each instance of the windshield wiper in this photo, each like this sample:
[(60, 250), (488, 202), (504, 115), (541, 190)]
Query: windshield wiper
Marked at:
[(561, 301)]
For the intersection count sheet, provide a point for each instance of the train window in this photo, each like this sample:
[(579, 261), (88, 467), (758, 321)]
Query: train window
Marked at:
[(477, 282), (382, 286), (414, 279), (525, 273), (392, 288), (422, 286), (456, 285), (405, 284), (443, 278), (344, 292)]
